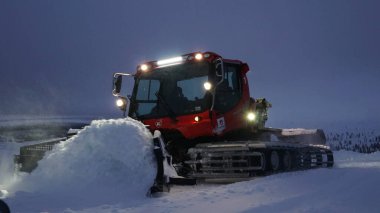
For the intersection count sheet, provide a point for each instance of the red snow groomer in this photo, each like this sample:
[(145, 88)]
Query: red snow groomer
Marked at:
[(206, 125)]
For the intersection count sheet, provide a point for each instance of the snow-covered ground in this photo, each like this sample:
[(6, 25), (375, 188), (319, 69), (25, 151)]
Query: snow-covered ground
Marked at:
[(108, 167)]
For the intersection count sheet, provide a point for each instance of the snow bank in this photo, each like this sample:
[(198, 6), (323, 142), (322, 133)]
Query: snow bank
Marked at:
[(350, 159), (109, 161), (7, 151)]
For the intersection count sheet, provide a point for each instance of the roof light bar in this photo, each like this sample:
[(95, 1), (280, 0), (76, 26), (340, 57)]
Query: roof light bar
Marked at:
[(170, 61)]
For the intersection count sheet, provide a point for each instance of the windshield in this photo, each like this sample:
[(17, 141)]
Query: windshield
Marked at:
[(174, 90)]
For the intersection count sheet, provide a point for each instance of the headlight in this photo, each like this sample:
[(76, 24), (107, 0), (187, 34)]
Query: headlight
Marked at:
[(251, 116), (207, 85), (197, 118), (120, 102)]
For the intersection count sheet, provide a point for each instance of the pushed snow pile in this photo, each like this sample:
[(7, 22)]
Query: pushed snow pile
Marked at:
[(108, 160)]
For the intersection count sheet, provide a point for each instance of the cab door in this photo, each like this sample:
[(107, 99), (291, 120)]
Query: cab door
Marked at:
[(228, 95)]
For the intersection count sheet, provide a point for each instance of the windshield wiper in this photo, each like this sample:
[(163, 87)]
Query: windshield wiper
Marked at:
[(170, 111)]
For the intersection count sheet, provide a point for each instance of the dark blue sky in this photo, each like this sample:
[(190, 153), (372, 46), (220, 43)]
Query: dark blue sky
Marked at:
[(314, 60)]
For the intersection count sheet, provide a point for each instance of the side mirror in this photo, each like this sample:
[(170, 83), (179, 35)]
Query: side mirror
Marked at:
[(122, 102), (117, 80)]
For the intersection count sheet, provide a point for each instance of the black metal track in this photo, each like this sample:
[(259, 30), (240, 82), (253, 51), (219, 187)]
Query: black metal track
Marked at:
[(239, 160)]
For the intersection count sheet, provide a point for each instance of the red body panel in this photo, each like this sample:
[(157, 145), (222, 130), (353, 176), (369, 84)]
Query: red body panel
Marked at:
[(185, 124)]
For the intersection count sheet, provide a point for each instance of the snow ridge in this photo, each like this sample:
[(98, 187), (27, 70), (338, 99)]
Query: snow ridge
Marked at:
[(110, 160)]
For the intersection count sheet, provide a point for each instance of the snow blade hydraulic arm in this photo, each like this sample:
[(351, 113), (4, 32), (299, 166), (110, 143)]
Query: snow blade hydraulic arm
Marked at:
[(166, 173)]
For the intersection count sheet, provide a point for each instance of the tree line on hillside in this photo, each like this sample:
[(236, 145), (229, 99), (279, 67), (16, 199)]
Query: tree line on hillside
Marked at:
[(358, 141)]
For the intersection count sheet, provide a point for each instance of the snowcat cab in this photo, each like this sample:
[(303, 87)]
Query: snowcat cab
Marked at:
[(191, 96)]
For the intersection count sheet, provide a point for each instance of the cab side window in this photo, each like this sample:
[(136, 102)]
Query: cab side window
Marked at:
[(228, 93), (146, 99)]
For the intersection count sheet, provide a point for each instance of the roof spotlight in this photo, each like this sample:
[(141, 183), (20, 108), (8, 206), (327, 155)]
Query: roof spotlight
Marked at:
[(144, 67), (198, 56)]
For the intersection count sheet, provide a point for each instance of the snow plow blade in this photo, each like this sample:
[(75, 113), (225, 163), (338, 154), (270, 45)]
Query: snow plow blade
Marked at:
[(166, 173)]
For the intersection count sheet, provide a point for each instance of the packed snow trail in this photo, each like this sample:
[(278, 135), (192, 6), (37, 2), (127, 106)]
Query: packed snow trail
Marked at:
[(351, 186), (109, 161)]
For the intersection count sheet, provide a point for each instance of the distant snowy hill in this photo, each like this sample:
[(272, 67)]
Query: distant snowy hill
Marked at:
[(21, 129), (108, 167)]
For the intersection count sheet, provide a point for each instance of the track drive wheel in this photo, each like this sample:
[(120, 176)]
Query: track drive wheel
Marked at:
[(177, 150), (275, 161), (330, 158), (287, 161)]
